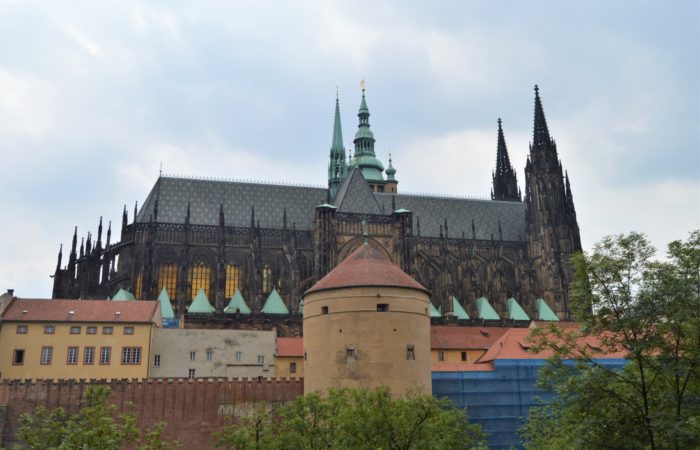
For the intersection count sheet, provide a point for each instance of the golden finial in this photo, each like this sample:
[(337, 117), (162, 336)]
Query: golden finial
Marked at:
[(362, 86)]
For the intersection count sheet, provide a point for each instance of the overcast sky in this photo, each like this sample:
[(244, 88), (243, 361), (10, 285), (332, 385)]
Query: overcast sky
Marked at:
[(94, 96)]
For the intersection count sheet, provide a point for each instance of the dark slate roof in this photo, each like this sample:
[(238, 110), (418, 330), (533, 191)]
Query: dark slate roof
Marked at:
[(205, 196), (459, 212), (355, 196)]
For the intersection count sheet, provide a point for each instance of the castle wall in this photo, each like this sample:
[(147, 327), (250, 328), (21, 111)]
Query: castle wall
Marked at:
[(193, 409)]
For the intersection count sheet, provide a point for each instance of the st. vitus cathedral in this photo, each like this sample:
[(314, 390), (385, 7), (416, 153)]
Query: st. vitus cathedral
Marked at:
[(223, 236)]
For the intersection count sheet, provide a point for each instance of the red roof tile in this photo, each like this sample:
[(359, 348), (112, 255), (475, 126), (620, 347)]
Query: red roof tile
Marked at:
[(461, 367), (514, 345), (366, 266), (463, 338), (290, 346), (35, 310)]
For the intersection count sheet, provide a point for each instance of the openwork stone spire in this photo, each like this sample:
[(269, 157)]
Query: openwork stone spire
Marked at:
[(540, 136), (505, 182)]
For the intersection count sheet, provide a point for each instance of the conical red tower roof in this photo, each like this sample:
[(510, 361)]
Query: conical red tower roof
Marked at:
[(366, 267)]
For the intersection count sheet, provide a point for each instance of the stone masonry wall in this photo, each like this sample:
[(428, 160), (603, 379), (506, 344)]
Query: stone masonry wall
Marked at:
[(193, 409)]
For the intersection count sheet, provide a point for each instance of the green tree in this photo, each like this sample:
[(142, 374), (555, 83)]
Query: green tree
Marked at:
[(650, 312), (355, 419), (95, 426)]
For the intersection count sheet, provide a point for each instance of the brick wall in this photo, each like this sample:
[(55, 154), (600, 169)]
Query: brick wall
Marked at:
[(193, 409)]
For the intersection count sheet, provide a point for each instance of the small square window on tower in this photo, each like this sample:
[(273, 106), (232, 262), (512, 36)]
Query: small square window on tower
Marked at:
[(324, 310), (464, 356), (350, 354), (410, 352), (382, 307)]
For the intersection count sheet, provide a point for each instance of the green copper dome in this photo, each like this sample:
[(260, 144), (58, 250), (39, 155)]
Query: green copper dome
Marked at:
[(364, 133), (201, 304), (166, 308), (237, 304)]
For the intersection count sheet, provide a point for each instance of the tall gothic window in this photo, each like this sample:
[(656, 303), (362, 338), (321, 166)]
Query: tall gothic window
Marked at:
[(199, 278), (232, 280), (139, 285), (266, 279), (167, 278)]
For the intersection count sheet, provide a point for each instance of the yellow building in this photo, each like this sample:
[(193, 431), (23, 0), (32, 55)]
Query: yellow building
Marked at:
[(289, 357), (367, 324), (451, 345), (53, 339)]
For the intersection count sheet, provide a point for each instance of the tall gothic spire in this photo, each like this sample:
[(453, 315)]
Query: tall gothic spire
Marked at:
[(337, 147), (337, 167), (505, 182), (540, 135)]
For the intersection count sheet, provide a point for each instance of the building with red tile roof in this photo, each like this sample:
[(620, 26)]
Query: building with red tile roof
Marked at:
[(52, 339), (289, 357), (367, 324), (457, 344), (366, 266)]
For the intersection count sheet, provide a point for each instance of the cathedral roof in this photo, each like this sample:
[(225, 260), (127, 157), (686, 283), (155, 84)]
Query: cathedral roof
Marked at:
[(206, 196), (432, 212), (355, 196), (270, 200), (366, 266)]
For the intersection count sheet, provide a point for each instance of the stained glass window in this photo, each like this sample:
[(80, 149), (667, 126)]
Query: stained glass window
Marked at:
[(266, 279), (139, 284), (200, 278), (167, 278), (232, 280)]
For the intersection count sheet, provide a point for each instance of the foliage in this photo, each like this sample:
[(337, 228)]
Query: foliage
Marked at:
[(95, 425), (649, 311), (355, 419)]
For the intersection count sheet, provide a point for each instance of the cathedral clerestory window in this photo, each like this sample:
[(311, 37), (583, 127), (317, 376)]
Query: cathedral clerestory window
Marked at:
[(200, 278), (266, 279), (232, 280), (167, 278)]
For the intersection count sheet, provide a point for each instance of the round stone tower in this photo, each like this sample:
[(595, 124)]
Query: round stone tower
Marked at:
[(367, 324)]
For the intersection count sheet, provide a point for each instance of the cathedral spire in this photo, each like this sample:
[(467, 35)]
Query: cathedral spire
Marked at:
[(99, 235), (540, 135), (505, 182), (60, 257), (337, 147), (74, 244), (109, 234), (337, 168), (125, 218)]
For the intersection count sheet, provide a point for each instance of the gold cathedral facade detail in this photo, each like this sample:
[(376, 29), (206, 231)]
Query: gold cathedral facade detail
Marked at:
[(252, 241)]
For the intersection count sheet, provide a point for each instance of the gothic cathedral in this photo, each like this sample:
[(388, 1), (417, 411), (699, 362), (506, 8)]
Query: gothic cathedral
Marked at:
[(230, 238)]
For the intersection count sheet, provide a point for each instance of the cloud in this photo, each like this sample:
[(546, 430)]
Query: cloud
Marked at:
[(83, 41), (94, 98)]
